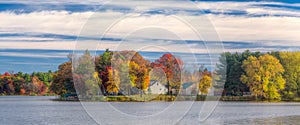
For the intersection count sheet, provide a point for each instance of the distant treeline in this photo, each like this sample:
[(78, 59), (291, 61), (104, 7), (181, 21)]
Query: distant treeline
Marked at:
[(110, 72), (272, 75), (36, 83)]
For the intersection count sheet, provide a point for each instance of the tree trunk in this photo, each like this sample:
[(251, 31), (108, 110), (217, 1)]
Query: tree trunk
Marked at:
[(168, 87)]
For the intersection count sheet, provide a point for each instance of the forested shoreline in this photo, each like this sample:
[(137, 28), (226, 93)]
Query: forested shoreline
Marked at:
[(267, 76)]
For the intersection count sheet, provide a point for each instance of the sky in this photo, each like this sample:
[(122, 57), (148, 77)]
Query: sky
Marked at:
[(38, 36)]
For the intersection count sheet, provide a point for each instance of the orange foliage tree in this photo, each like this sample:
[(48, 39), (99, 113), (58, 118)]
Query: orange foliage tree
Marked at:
[(172, 67)]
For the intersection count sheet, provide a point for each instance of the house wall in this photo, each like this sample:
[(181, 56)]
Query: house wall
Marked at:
[(157, 88)]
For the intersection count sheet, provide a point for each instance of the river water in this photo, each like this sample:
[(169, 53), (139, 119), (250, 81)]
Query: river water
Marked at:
[(23, 110)]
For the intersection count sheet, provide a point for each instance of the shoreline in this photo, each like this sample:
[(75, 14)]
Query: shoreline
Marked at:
[(161, 98), (164, 98)]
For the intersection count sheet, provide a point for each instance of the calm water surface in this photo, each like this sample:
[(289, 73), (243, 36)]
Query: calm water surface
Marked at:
[(18, 110)]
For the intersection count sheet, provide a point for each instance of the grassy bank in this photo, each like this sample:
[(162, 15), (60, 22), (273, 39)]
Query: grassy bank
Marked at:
[(148, 98)]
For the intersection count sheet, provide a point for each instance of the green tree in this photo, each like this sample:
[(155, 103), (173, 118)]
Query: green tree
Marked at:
[(27, 77), (85, 82)]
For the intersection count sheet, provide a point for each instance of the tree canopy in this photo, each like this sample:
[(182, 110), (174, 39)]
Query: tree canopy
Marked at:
[(263, 75)]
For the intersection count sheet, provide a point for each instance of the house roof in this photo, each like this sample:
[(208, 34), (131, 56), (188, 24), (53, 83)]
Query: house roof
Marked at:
[(187, 84), (152, 82)]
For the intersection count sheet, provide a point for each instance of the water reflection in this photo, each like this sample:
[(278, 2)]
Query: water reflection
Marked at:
[(287, 120), (41, 110)]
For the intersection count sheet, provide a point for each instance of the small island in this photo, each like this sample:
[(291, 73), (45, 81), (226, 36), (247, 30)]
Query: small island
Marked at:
[(128, 76)]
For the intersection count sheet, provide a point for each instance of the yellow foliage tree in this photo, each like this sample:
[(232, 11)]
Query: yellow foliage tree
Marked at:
[(264, 76), (113, 81), (205, 84), (139, 76), (290, 62)]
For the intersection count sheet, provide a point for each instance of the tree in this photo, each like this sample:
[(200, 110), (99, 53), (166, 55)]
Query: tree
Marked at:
[(37, 87), (158, 74), (290, 62), (263, 75), (172, 66), (133, 69), (139, 76), (130, 67), (18, 83), (103, 61), (63, 79), (22, 83), (220, 74), (205, 84), (229, 71), (113, 82), (27, 77), (85, 82), (7, 86), (102, 64)]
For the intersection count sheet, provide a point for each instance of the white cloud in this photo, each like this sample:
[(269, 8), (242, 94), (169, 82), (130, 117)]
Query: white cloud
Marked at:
[(268, 30), (61, 45), (257, 28), (44, 22), (38, 55)]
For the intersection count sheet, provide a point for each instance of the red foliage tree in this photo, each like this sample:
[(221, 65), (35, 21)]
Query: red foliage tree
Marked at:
[(172, 66)]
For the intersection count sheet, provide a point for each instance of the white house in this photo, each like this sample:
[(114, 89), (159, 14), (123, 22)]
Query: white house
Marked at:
[(156, 88)]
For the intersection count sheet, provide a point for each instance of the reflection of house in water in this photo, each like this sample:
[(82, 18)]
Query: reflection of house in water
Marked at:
[(156, 88)]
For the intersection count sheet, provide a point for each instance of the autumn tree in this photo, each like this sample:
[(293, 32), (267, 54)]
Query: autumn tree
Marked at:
[(102, 64), (290, 62), (37, 87), (19, 84), (263, 75), (230, 70), (139, 76), (113, 82), (63, 79), (7, 86), (130, 67), (205, 84), (158, 74), (22, 83), (137, 69), (171, 65)]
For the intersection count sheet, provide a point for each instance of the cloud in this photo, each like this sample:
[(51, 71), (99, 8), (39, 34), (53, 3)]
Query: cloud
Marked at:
[(34, 55), (263, 24), (61, 45)]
